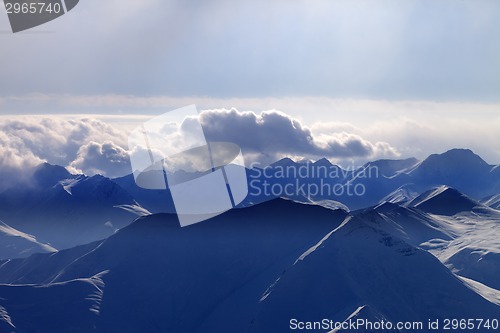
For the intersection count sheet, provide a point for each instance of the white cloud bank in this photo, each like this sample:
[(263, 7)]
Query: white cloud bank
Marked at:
[(274, 134), (26, 142), (93, 146)]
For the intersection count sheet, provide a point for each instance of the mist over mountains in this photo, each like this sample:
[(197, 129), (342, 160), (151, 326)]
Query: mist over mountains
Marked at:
[(64, 210)]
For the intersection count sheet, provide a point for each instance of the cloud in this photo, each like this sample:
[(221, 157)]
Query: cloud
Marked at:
[(92, 146), (16, 161), (54, 139), (101, 146), (26, 142), (101, 158), (273, 133)]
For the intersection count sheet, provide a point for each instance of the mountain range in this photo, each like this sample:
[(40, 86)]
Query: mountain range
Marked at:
[(254, 269), (63, 210), (93, 254)]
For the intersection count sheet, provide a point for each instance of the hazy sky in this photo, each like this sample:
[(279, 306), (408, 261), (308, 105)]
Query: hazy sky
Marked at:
[(401, 78)]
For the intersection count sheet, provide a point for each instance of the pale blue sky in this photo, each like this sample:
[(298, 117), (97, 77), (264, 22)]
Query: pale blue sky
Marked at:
[(385, 49)]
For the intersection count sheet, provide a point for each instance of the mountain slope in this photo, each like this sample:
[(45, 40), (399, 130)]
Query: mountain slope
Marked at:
[(475, 252), (253, 269), (25, 308), (492, 201), (464, 236)]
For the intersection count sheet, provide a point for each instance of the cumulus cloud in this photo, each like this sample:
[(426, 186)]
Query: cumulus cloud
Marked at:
[(273, 133), (106, 158)]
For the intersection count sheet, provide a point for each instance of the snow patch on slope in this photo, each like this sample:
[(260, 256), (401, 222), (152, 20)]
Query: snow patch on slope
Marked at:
[(488, 293), (402, 194), (135, 209), (492, 201), (364, 312), (4, 316), (15, 243)]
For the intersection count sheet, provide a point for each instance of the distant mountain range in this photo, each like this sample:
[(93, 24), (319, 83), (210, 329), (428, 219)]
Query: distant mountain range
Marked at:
[(365, 186), (93, 254)]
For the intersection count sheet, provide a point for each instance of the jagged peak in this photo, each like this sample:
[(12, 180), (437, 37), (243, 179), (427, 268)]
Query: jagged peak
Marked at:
[(283, 162), (46, 174), (323, 162)]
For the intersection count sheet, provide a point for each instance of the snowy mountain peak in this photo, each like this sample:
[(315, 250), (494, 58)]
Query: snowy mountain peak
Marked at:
[(443, 200), (403, 194), (462, 158)]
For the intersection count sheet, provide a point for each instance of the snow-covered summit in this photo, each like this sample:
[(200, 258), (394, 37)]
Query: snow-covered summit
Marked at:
[(443, 200)]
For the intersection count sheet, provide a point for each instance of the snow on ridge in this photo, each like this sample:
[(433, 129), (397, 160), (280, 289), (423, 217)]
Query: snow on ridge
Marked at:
[(4, 316), (363, 312), (96, 297), (492, 201), (326, 203), (135, 209), (488, 293), (320, 243), (402, 194), (15, 233), (429, 195), (68, 184), (9, 231)]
